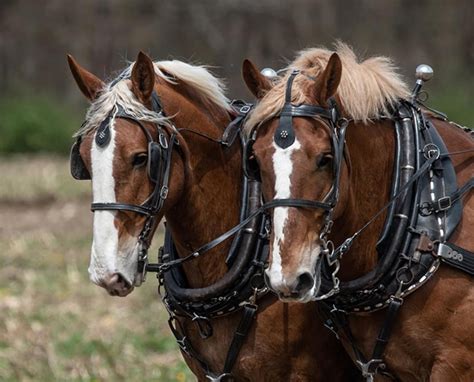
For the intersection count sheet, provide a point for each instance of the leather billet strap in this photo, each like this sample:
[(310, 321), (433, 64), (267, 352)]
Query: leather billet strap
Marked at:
[(456, 257)]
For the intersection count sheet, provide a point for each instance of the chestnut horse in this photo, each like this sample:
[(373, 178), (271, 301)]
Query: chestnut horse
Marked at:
[(286, 342), (314, 177)]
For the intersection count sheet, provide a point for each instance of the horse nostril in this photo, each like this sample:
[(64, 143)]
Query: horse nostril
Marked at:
[(304, 283), (121, 281)]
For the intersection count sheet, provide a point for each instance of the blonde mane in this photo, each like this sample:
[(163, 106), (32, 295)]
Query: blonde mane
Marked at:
[(366, 92), (118, 93)]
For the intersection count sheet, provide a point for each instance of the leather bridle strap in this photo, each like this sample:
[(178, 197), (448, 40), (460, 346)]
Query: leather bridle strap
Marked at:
[(142, 210), (301, 203)]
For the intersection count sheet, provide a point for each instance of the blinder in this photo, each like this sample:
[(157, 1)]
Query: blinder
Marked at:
[(78, 168), (155, 161)]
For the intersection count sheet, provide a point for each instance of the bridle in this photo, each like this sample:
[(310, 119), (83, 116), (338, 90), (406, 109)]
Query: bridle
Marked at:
[(158, 168), (284, 137)]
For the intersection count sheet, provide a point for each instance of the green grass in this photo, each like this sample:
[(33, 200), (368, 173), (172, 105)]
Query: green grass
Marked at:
[(55, 325), (36, 123)]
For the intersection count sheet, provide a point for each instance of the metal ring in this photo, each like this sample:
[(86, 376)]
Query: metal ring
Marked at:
[(431, 151), (423, 96), (342, 122), (400, 273)]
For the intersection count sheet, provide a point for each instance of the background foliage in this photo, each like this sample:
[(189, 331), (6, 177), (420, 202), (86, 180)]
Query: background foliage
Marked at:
[(103, 35)]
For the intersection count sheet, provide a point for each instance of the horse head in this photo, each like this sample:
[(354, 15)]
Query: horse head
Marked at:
[(137, 162), (297, 161)]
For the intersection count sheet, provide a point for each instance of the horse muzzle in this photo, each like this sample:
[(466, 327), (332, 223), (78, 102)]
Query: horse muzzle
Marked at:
[(117, 285)]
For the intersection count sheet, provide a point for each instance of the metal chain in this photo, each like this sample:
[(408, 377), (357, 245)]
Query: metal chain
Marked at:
[(328, 251)]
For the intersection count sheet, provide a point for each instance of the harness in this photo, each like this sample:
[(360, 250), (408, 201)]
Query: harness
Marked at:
[(339, 299), (424, 208)]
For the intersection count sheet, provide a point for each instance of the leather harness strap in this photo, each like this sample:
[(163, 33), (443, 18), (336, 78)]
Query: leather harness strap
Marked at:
[(248, 316), (456, 257)]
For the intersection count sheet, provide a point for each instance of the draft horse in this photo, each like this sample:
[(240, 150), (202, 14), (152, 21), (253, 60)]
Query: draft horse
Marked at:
[(158, 142), (369, 194)]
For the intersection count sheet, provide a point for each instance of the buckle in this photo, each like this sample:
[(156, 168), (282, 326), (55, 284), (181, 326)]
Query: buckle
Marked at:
[(182, 345), (447, 253), (164, 192), (220, 378), (162, 140), (443, 203), (245, 109), (370, 368), (426, 209)]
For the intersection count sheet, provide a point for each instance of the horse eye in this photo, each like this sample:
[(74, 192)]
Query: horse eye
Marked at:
[(139, 159), (323, 160)]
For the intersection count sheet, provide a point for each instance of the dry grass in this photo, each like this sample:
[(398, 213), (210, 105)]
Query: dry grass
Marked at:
[(54, 324)]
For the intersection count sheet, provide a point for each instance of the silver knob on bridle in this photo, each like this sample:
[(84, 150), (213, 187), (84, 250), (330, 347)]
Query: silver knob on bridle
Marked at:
[(269, 73), (424, 72)]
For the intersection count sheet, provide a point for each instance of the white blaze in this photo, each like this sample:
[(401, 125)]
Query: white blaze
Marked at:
[(282, 168), (105, 239)]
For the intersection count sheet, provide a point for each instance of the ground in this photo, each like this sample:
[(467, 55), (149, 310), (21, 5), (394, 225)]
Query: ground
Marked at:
[(55, 325)]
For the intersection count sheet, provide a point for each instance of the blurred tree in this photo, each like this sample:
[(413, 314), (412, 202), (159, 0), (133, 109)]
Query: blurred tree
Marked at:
[(103, 35)]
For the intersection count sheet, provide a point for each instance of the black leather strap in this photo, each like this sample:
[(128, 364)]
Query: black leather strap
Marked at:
[(143, 210), (302, 203), (239, 337), (446, 202), (457, 257), (233, 128), (285, 134), (184, 343), (306, 111), (386, 329)]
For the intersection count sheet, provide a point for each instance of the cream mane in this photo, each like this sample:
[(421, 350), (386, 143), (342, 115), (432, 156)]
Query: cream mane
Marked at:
[(118, 93), (367, 89)]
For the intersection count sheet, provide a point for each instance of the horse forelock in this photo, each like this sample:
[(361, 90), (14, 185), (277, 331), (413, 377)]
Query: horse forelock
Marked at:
[(366, 92)]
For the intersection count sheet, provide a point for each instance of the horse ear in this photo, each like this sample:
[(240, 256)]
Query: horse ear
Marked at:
[(89, 84), (328, 81), (143, 77), (257, 83)]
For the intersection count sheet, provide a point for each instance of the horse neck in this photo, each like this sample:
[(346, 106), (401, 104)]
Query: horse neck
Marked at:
[(371, 151), (210, 201)]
